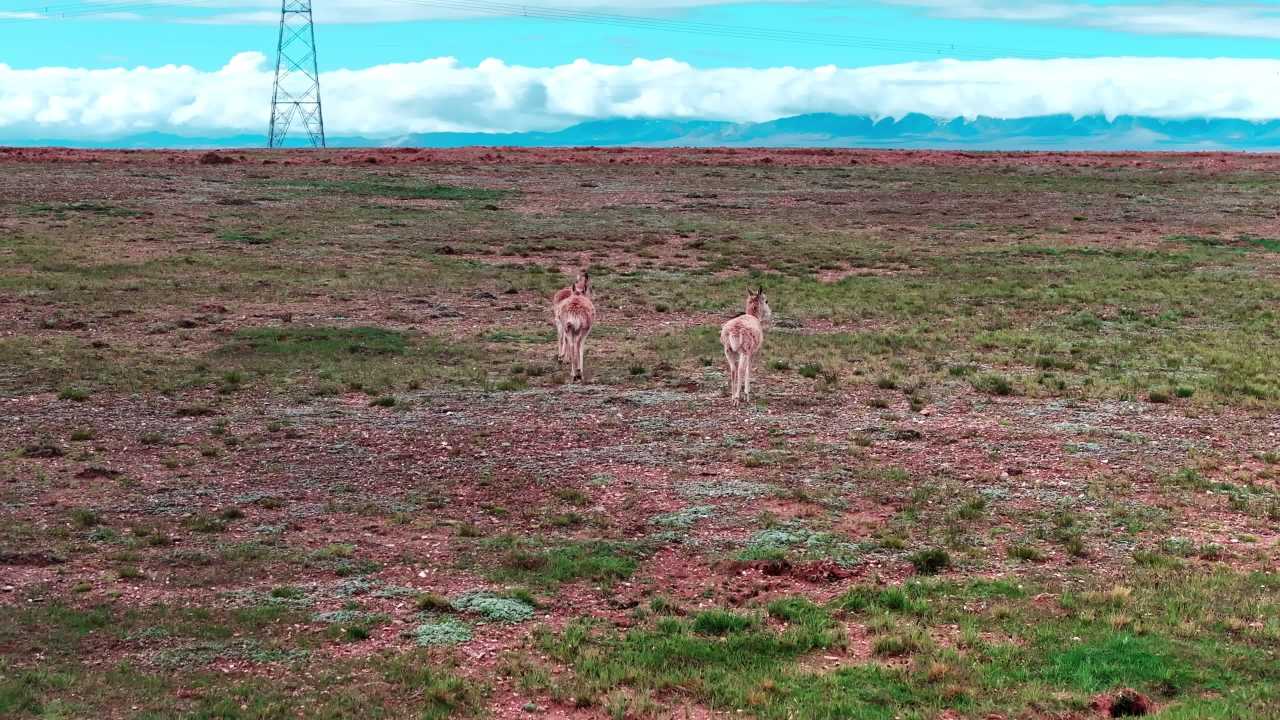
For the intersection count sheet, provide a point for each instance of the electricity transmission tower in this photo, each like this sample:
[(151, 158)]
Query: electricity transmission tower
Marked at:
[(296, 96)]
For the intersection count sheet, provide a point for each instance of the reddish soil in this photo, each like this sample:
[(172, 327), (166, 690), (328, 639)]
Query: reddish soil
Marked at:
[(638, 449)]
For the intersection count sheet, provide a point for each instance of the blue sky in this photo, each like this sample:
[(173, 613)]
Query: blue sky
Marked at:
[(164, 34), (400, 66)]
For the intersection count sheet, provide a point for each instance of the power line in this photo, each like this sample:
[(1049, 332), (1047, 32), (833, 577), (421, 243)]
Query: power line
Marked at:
[(86, 10)]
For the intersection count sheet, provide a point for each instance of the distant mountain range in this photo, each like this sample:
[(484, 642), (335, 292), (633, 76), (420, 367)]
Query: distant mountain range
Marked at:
[(1049, 132)]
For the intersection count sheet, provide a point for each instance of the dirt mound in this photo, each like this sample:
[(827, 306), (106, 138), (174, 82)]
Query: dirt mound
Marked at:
[(817, 571), (213, 158), (30, 559), (94, 473), (1123, 703)]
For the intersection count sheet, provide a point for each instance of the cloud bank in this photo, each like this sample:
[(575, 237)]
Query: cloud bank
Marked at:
[(1203, 19), (441, 95)]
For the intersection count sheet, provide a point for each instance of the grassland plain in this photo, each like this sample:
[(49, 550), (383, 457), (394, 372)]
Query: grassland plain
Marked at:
[(285, 436)]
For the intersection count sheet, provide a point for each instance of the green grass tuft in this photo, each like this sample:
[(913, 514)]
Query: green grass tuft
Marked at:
[(931, 561), (720, 622), (992, 384)]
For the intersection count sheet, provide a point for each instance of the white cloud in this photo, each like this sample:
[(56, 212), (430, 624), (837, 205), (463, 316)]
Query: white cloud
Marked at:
[(442, 95), (1218, 19)]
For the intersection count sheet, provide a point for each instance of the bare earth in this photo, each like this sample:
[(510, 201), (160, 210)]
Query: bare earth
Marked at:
[(1058, 369)]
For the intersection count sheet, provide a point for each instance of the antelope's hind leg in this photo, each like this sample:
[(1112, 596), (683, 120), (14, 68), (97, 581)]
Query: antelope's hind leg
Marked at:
[(733, 373), (582, 353)]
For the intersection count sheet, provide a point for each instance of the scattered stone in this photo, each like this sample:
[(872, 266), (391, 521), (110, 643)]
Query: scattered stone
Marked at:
[(444, 311)]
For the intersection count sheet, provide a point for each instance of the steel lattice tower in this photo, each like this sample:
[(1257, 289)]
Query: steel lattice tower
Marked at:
[(296, 96)]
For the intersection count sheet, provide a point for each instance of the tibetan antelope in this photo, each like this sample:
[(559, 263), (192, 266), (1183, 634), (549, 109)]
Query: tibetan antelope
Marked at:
[(582, 282), (576, 314), (742, 338)]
